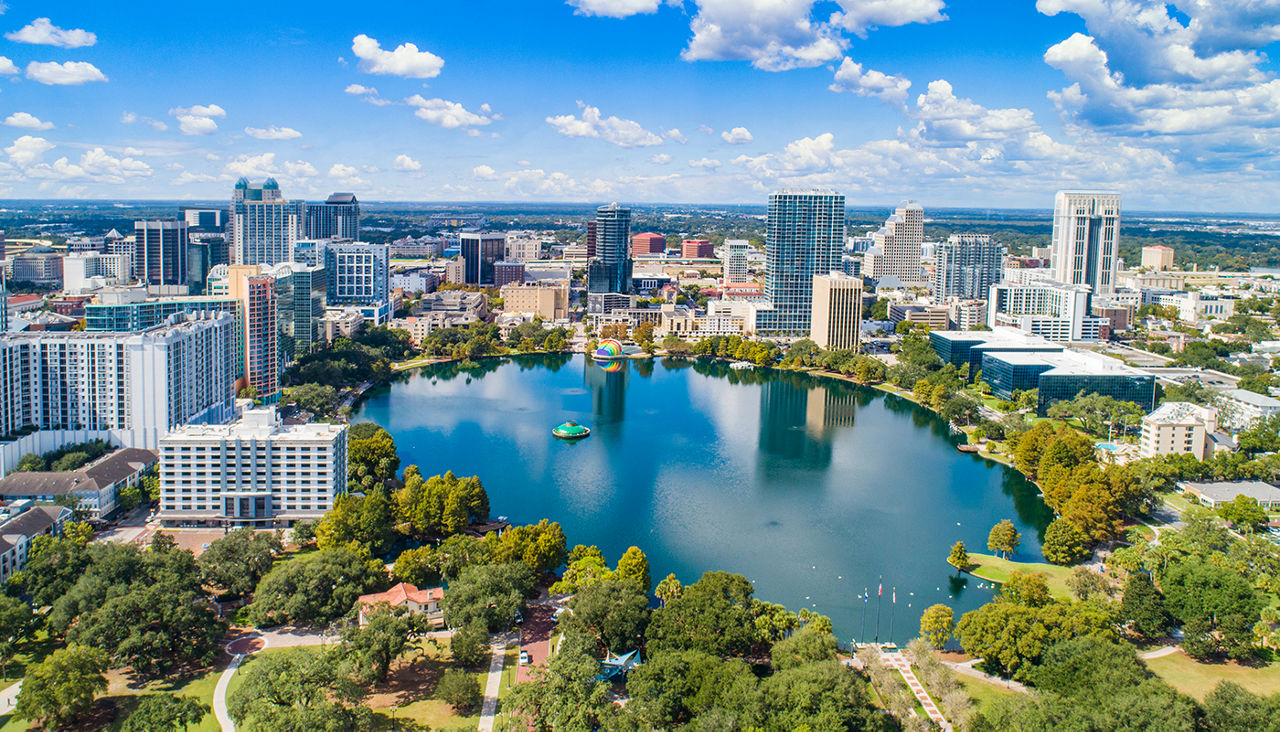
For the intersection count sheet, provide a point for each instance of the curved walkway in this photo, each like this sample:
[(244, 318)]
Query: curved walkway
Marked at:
[(1160, 652), (967, 668)]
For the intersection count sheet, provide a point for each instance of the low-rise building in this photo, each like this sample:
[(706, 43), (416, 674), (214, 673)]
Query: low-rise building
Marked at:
[(1241, 408), (96, 485), (1180, 428), (257, 471), (20, 523), (1197, 305), (409, 597), (1065, 375), (548, 299), (1216, 495), (934, 317)]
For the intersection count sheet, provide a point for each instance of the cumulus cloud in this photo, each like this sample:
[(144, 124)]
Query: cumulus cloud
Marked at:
[(27, 150), (405, 163), (614, 8), (707, 163), (737, 136), (675, 135), (262, 165), (129, 118), (198, 119), (27, 122), (360, 89), (614, 130), (273, 133), (300, 169), (43, 32), (660, 159), (186, 177), (870, 83), (7, 67), (450, 115), (484, 172), (406, 60), (342, 171), (64, 74), (95, 165)]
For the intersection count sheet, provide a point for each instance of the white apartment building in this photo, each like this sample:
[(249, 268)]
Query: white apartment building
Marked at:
[(1086, 226), (1241, 408), (1179, 428), (86, 271), (898, 244), (256, 472), (735, 261), (129, 388), (1193, 306), (1044, 308)]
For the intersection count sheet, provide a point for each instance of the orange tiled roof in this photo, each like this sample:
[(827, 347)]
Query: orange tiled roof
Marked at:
[(403, 593)]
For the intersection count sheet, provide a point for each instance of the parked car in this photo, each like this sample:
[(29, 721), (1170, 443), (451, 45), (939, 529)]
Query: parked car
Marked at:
[(525, 660)]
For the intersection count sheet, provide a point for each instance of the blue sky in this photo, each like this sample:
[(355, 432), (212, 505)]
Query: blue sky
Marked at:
[(960, 103)]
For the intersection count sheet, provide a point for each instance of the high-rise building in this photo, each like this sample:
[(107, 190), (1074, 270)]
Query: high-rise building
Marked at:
[(256, 472), (591, 239), (357, 272), (899, 242), (256, 292), (1045, 308), (805, 237), (1086, 225), (203, 219), (87, 271), (130, 388), (609, 269), (300, 302), (736, 271), (479, 250), (199, 262), (337, 218), (837, 311), (264, 226), (642, 245), (507, 272), (966, 267)]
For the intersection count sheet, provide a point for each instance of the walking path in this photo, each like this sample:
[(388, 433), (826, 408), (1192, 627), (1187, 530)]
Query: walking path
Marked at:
[(895, 660), (493, 684), (967, 668), (220, 695), (9, 698), (1159, 652)]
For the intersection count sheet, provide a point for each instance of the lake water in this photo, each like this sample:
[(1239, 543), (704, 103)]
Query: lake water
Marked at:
[(814, 488)]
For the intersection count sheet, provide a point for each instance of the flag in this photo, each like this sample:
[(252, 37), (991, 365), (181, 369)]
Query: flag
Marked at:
[(880, 590), (865, 596), (895, 595)]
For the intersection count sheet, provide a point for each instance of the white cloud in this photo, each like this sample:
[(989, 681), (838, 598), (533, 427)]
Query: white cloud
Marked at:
[(262, 165), (483, 172), (859, 16), (675, 135), (95, 164), (871, 83), (706, 130), (450, 115), (300, 169), (129, 118), (27, 150), (707, 163), (7, 66), (187, 177), (737, 136), (405, 163), (198, 119), (406, 60), (359, 89), (615, 130), (342, 171), (27, 122), (273, 133), (614, 8), (64, 74), (41, 31), (660, 159)]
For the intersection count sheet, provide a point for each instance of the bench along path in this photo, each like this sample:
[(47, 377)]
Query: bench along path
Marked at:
[(895, 660)]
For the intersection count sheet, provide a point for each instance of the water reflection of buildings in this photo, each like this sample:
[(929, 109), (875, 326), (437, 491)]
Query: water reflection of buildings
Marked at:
[(828, 408), (793, 422), (608, 385)]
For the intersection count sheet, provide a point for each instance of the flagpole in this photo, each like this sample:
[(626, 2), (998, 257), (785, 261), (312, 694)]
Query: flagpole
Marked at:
[(879, 597), (892, 607), (866, 597)]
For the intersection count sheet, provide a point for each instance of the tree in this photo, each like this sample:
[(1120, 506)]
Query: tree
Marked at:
[(541, 546), (1012, 637), (237, 561), (1217, 608), (634, 565), (1142, 607), (1026, 588), (712, 615), (460, 690), (418, 567), (304, 532), (78, 531), (362, 524), (129, 496), (669, 589), (62, 686), (470, 644), (817, 696), (371, 455), (937, 623), (1086, 583), (54, 564), (1064, 543), (1244, 513), (614, 612), (491, 594), (1004, 538), (439, 506), (296, 689), (807, 645), (959, 557), (313, 589), (568, 694), (17, 621), (373, 646), (1230, 707), (156, 712)]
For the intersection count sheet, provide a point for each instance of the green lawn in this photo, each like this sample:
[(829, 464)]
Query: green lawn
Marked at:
[(982, 692), (1198, 679), (995, 569)]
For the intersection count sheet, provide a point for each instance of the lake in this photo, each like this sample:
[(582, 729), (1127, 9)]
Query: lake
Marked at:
[(815, 488)]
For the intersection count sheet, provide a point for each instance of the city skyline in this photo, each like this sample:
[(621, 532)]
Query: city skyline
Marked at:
[(647, 101)]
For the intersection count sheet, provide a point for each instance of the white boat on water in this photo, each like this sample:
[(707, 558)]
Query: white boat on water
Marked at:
[(741, 365)]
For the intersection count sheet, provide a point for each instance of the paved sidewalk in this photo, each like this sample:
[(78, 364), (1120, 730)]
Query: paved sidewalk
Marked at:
[(220, 695), (1159, 652), (895, 660), (967, 668), (493, 684), (9, 698)]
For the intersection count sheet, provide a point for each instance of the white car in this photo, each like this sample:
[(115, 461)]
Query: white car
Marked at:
[(524, 658)]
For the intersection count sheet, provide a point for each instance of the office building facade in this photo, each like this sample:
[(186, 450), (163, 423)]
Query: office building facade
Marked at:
[(609, 268), (966, 266), (736, 269), (357, 272), (1086, 228), (898, 243), (837, 311), (648, 243), (257, 472), (160, 252), (479, 251), (805, 237), (301, 293), (256, 292), (264, 226), (337, 218), (1045, 308)]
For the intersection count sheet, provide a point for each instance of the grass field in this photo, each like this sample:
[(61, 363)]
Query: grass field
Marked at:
[(995, 569), (1198, 679), (982, 692)]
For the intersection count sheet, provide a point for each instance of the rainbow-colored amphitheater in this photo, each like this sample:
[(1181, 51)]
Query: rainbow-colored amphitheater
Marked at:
[(609, 349)]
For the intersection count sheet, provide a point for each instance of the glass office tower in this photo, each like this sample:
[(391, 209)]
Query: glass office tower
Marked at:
[(805, 238)]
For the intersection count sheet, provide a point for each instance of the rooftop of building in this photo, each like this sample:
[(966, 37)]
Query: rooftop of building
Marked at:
[(256, 424), (341, 198), (1001, 335), (403, 593), (1252, 397), (1070, 363), (1160, 247), (19, 519), (1180, 413), (1228, 490), (111, 468), (176, 323)]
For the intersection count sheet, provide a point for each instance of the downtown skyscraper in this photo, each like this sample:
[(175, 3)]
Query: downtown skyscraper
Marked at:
[(609, 269), (1086, 225), (898, 243), (337, 218), (264, 226), (966, 266), (805, 238)]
